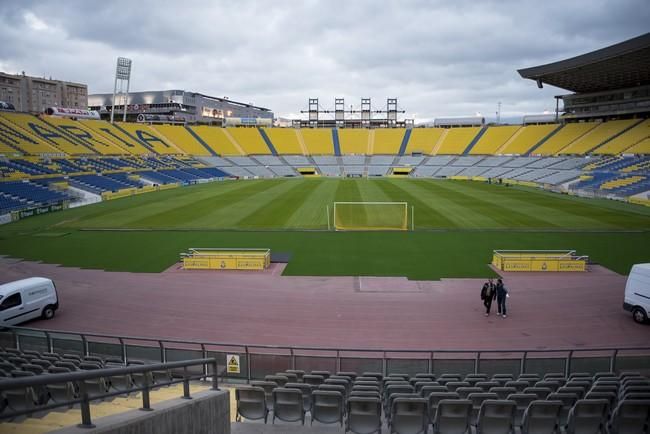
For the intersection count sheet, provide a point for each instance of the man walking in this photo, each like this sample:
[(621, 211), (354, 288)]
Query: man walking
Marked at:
[(487, 295), (502, 294)]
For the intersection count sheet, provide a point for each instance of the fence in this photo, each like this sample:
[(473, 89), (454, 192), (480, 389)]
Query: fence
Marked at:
[(256, 361)]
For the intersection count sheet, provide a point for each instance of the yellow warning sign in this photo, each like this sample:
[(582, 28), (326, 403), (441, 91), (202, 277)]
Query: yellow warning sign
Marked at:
[(233, 363)]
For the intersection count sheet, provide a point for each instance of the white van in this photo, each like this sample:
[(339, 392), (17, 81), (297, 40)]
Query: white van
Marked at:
[(27, 299), (637, 293)]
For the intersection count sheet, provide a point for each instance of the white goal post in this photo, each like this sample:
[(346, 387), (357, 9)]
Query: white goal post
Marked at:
[(371, 216)]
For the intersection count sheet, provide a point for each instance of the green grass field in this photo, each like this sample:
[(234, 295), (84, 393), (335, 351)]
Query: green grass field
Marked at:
[(458, 224)]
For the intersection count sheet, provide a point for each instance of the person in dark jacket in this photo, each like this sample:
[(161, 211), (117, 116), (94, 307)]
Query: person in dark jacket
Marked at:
[(487, 295), (502, 294)]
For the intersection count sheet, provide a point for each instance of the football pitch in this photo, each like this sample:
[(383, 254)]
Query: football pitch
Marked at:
[(457, 225)]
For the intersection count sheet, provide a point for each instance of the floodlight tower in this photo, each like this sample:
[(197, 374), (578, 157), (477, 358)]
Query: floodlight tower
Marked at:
[(313, 112), (122, 77), (339, 111), (391, 111), (365, 112)]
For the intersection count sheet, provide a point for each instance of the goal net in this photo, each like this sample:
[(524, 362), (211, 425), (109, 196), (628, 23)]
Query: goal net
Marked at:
[(370, 216)]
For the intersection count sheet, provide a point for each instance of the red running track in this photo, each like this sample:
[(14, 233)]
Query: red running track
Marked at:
[(546, 310)]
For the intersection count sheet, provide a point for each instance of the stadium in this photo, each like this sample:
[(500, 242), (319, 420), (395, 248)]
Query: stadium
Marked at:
[(220, 273)]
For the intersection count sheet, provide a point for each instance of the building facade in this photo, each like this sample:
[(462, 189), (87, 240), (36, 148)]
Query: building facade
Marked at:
[(36, 94), (186, 106)]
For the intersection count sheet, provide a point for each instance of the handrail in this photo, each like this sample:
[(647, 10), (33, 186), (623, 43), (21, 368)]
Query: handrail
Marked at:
[(329, 349), (84, 399)]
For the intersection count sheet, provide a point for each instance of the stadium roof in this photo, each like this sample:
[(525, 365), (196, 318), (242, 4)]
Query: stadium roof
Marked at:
[(619, 66)]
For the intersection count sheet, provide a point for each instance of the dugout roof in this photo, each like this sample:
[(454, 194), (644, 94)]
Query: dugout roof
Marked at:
[(619, 66)]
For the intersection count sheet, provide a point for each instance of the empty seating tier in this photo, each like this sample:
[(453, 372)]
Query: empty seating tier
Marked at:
[(182, 138), (627, 140), (529, 136), (354, 141), (82, 132), (49, 133), (250, 140), (318, 141), (597, 136), (217, 139), (456, 141), (149, 138), (388, 141), (493, 139), (423, 140), (123, 139), (285, 140), (567, 134)]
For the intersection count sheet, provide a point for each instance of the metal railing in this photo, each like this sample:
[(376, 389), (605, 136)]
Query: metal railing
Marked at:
[(256, 361), (83, 398)]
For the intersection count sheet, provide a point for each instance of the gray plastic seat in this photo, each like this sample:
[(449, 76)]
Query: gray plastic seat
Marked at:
[(518, 385), (487, 385), (299, 373), (291, 377), (314, 380), (503, 392), (477, 399), (306, 391), (364, 388), (635, 389), (551, 384), (599, 375), (436, 397), (364, 415), (324, 374), (404, 377), (630, 417), (427, 390), (427, 377), (339, 382), (496, 417), (334, 388), (397, 388), (388, 402), (418, 385), (568, 401), (366, 393), (451, 377), (280, 380), (268, 387), (376, 375), (453, 385), (409, 416), (609, 396), (541, 417), (452, 416), (522, 400), (464, 392), (588, 417), (541, 392), (61, 392), (327, 407), (353, 375), (251, 403), (578, 391), (288, 405)]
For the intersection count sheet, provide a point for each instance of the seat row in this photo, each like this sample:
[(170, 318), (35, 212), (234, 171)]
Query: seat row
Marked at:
[(16, 363), (330, 397)]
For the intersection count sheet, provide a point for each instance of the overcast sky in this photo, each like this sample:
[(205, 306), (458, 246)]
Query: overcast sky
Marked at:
[(440, 58)]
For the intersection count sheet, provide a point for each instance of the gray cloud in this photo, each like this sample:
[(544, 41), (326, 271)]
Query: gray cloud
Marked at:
[(438, 57)]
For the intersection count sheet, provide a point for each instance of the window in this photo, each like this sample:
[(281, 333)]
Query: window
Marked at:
[(11, 301)]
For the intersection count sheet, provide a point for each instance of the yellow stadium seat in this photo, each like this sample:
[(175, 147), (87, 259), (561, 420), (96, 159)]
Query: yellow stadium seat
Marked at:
[(596, 136), (115, 135), (49, 134), (621, 182), (424, 140), (628, 139), (642, 147), (353, 141), (149, 136), (285, 140), (457, 140), (219, 140), (99, 143), (567, 134), (250, 140), (388, 140), (318, 141), (14, 139), (182, 139), (493, 139), (527, 137)]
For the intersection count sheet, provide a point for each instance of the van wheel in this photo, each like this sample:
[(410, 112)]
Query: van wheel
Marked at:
[(639, 315), (48, 312)]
